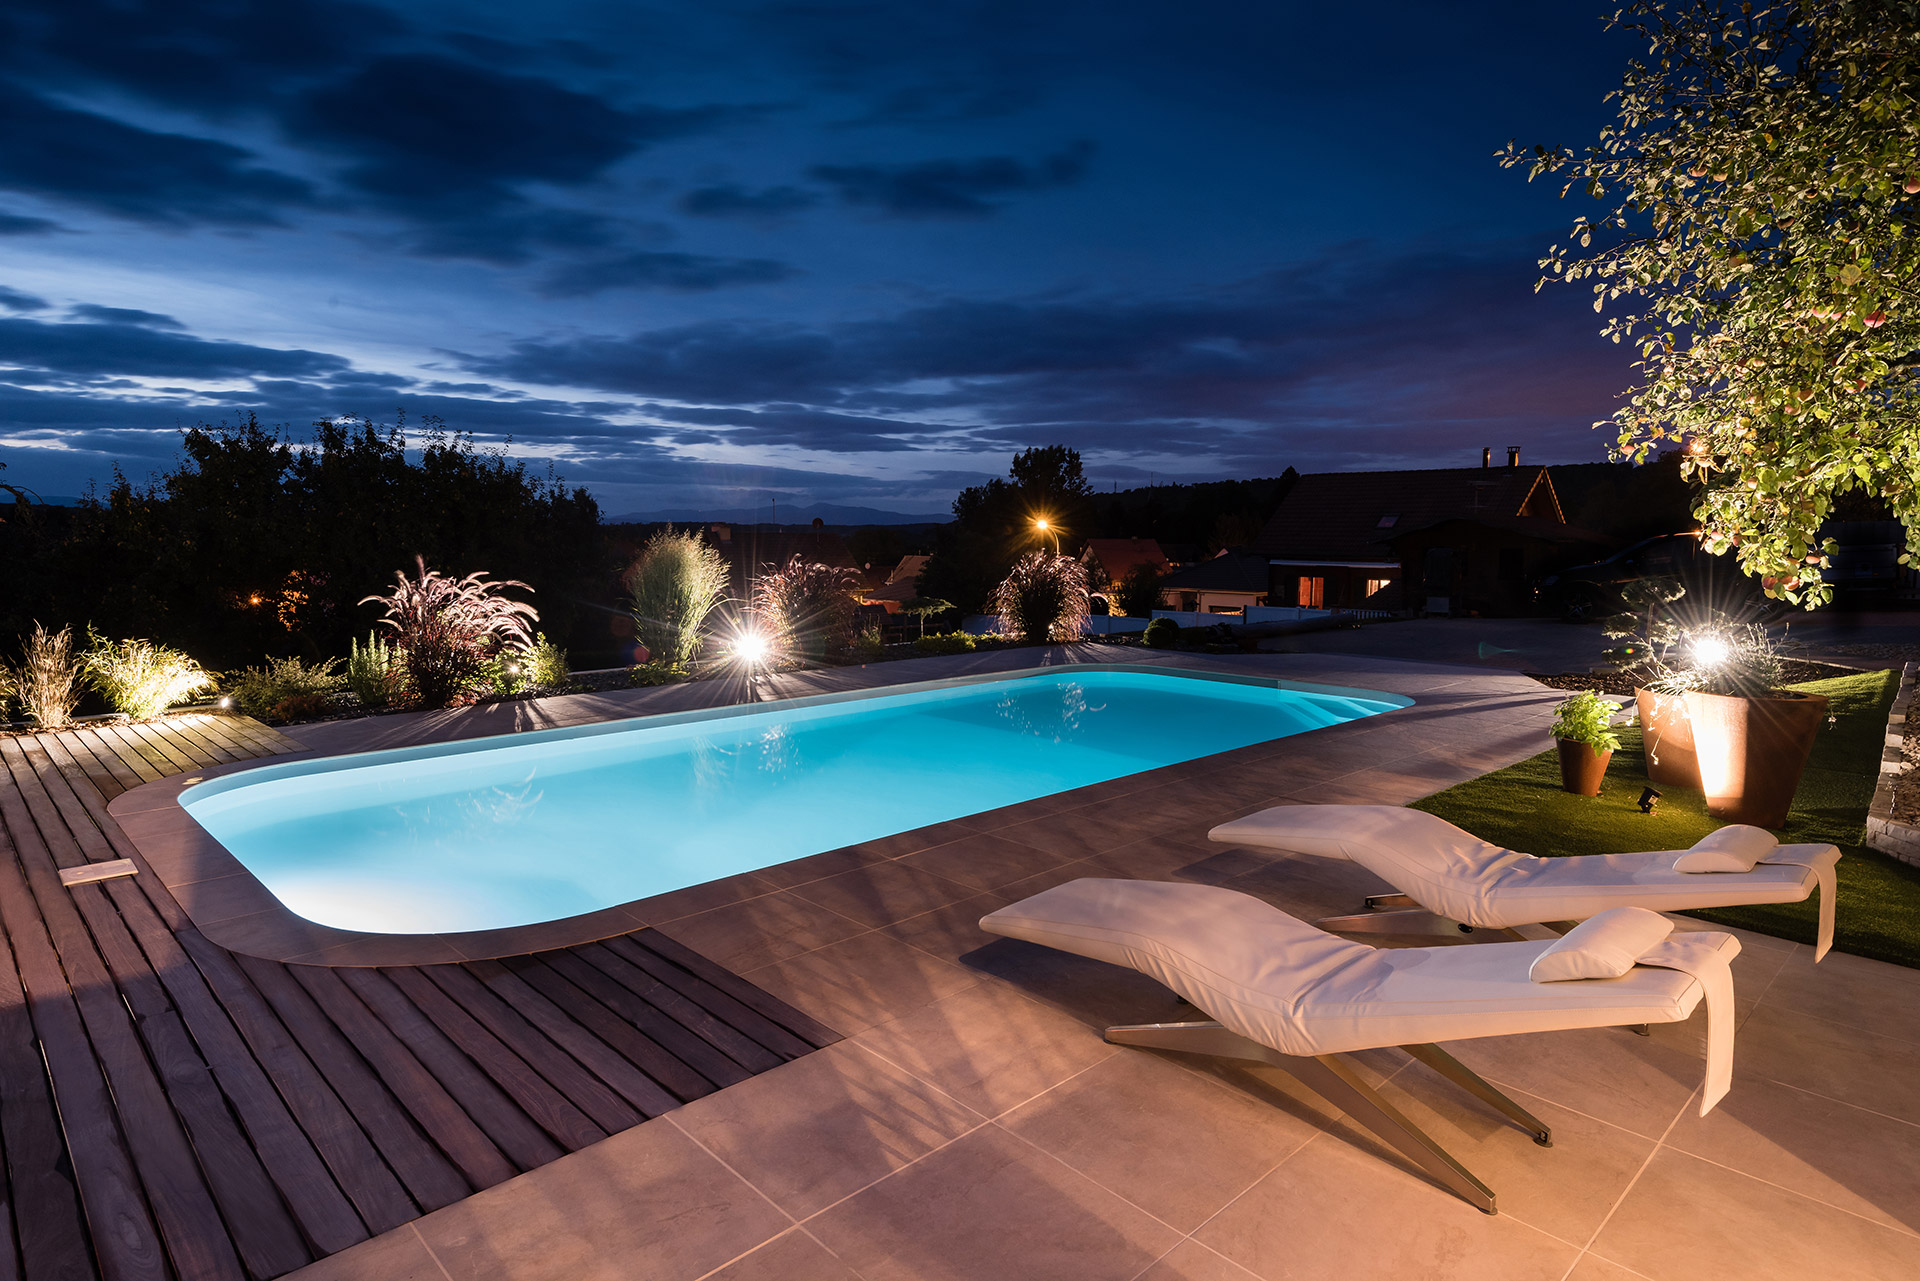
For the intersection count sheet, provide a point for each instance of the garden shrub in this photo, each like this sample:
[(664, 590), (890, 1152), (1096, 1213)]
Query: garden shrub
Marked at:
[(1043, 598), (48, 682), (285, 688), (674, 585), (952, 643), (657, 672), (869, 644), (546, 665), (1138, 594), (373, 673), (141, 678), (447, 629), (809, 608), (1161, 633)]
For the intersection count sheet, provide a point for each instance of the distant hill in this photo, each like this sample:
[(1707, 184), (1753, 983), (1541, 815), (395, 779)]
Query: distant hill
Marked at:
[(827, 513)]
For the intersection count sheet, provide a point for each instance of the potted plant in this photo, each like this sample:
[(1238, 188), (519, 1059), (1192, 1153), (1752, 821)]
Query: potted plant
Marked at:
[(1751, 739), (1583, 731), (1647, 634)]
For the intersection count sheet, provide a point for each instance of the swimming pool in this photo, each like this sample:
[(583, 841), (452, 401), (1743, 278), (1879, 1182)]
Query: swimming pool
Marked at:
[(540, 826)]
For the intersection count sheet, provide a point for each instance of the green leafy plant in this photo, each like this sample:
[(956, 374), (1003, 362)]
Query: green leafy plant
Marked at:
[(285, 689), (868, 645), (546, 665), (1043, 598), (447, 628), (674, 585), (951, 643), (374, 673), (141, 678), (657, 672), (808, 608), (47, 683), (1161, 633), (1761, 191), (1587, 718), (1138, 594), (921, 608)]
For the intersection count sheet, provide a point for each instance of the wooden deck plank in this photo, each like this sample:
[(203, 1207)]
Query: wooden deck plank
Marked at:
[(755, 998), (683, 1043), (95, 771), (725, 1009), (604, 1061), (660, 1064), (265, 739), (148, 762), (490, 1107), (430, 1179), (465, 1143), (48, 1226), (683, 1009), (188, 733), (102, 753), (575, 1083), (544, 1105), (175, 744)]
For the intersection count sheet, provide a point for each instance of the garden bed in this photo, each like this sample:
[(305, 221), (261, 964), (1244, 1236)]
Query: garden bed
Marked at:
[(1523, 807), (1793, 671)]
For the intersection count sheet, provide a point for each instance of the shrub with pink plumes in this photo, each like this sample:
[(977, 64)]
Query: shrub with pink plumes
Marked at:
[(808, 608), (447, 628), (1043, 598)]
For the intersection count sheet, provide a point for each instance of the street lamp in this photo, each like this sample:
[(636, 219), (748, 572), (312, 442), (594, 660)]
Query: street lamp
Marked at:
[(1043, 526)]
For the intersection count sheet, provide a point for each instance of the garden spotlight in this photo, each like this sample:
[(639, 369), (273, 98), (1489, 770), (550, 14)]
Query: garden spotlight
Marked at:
[(1648, 799), (1711, 651)]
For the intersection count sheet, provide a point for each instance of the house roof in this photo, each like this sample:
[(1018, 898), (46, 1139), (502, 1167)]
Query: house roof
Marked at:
[(1118, 556), (1227, 572), (902, 582), (1353, 515), (1532, 526)]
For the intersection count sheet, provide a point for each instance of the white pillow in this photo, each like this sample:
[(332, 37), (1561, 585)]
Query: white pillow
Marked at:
[(1604, 947), (1733, 848)]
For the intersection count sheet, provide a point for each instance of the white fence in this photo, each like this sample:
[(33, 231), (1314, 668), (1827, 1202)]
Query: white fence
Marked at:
[(1121, 625)]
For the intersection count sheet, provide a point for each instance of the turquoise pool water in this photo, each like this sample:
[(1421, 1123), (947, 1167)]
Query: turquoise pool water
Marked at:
[(541, 826)]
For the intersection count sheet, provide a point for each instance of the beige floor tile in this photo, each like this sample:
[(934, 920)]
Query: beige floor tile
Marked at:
[(1191, 1261), (1871, 995), (1178, 1144), (988, 1046), (792, 1256), (1855, 1159), (399, 1255), (824, 1126), (1336, 1210), (882, 893), (860, 981), (1637, 1082), (1594, 1268), (1566, 1190), (646, 1202), (1840, 1062), (745, 936), (1686, 1218), (990, 1207), (985, 861)]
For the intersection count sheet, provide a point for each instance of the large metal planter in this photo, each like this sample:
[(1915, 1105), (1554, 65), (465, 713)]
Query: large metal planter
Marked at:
[(1752, 751), (1668, 734)]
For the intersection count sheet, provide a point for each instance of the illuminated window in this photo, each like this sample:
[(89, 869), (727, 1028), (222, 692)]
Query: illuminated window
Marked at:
[(1377, 584), (1312, 592)]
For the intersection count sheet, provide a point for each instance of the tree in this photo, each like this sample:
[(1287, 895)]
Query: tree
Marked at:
[(1759, 197), (1139, 592), (995, 522)]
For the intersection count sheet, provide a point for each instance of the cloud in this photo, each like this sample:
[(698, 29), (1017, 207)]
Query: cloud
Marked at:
[(730, 200), (21, 225), (100, 163), (91, 350), (788, 424), (14, 300), (952, 188), (688, 273), (123, 316)]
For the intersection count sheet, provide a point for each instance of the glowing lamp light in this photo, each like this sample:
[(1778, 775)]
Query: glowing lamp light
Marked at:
[(750, 648), (226, 700), (1711, 651), (1041, 524)]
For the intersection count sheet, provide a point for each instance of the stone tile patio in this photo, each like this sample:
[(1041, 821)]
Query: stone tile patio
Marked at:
[(974, 1124)]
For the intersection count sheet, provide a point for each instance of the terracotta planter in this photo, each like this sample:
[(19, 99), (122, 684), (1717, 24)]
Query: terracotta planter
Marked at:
[(1668, 734), (1582, 767), (1752, 751)]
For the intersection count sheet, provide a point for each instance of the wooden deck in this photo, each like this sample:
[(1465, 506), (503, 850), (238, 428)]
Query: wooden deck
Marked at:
[(172, 1109)]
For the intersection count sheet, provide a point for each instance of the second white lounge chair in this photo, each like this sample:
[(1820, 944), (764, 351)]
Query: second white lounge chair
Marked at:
[(1451, 881), (1284, 993)]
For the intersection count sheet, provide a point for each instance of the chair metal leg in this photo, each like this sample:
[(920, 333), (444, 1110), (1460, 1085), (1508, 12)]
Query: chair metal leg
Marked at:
[(1332, 1079), (1415, 920), (1377, 901), (1470, 1081)]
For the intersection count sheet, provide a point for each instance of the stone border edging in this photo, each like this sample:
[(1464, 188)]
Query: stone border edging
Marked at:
[(1884, 833)]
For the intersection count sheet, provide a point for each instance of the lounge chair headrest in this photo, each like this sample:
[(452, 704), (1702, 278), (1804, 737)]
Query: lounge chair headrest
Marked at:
[(1604, 947), (1733, 848)]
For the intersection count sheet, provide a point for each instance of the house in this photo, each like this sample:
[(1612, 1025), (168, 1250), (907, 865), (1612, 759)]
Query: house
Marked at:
[(898, 585), (1109, 560), (1454, 540), (1226, 584)]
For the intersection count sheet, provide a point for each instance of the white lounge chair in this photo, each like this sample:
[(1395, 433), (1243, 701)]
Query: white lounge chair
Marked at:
[(1451, 881), (1284, 993)]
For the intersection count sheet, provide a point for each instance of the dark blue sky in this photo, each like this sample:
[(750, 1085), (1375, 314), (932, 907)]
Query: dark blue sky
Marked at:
[(855, 253)]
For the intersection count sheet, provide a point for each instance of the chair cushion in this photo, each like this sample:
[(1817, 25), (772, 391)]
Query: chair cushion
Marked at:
[(1733, 848), (1604, 947)]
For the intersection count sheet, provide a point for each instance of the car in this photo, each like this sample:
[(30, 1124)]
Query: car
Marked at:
[(1584, 593)]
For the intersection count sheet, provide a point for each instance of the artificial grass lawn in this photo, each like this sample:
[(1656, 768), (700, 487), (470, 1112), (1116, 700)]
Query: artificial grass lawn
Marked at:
[(1523, 807)]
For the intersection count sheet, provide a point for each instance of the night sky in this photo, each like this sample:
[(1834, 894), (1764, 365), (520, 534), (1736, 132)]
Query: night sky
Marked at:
[(705, 253)]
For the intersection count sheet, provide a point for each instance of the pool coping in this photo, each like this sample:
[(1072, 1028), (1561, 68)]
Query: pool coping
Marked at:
[(231, 907)]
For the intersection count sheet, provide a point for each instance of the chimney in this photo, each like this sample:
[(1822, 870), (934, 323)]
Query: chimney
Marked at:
[(1513, 455), (1486, 456)]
